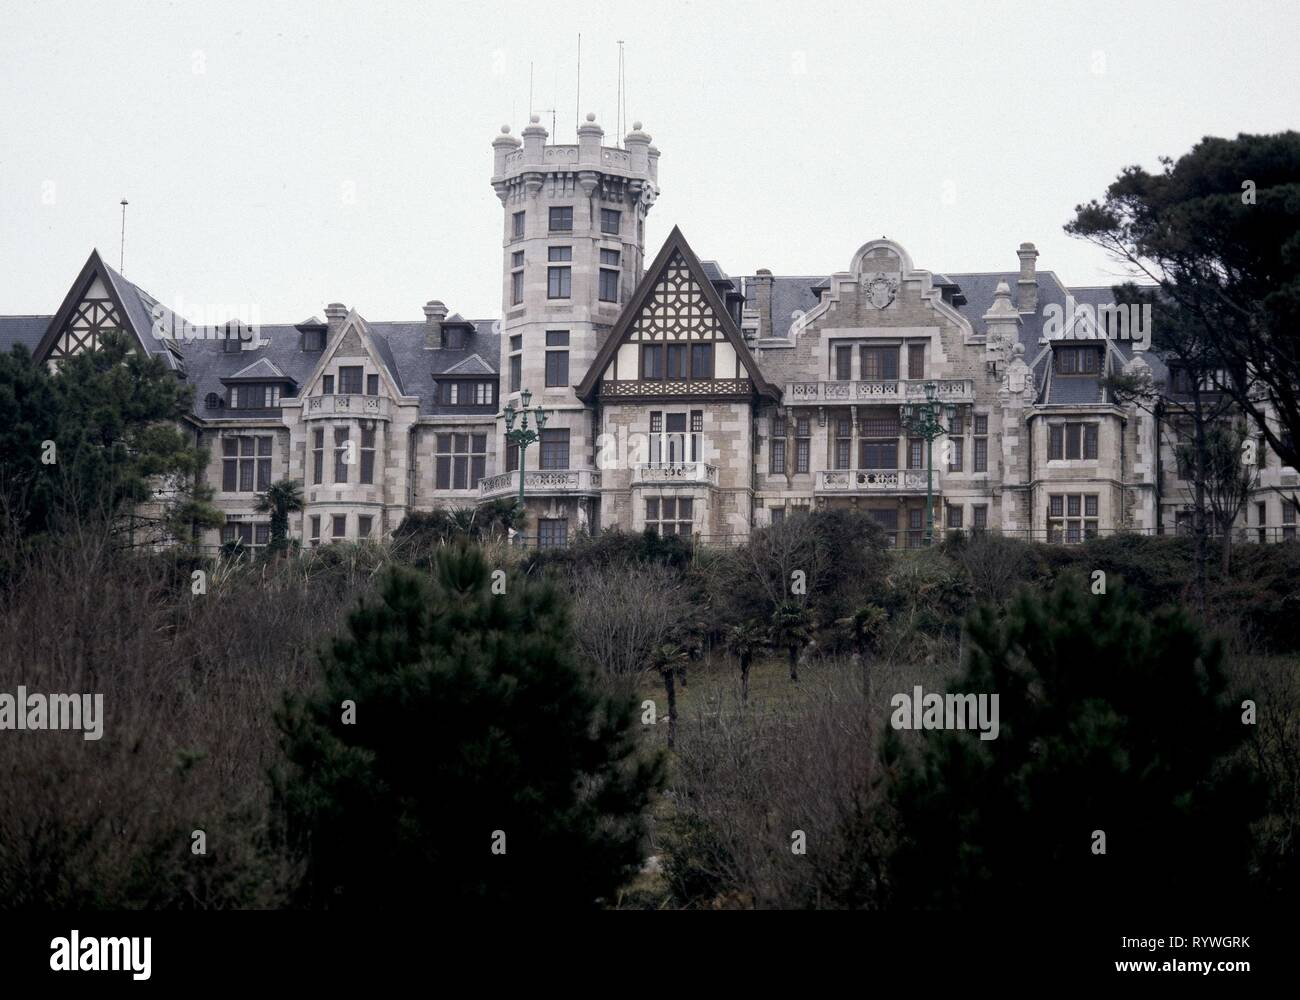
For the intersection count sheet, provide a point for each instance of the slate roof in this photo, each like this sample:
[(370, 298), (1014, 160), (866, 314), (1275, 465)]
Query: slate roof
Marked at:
[(25, 330)]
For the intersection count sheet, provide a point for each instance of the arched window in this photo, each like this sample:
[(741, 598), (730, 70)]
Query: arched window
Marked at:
[(213, 401)]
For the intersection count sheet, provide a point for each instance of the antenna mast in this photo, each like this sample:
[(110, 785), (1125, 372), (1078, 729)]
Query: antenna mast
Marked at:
[(121, 254), (620, 106), (577, 110)]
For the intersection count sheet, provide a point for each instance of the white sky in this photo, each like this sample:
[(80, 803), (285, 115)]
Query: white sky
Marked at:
[(791, 133)]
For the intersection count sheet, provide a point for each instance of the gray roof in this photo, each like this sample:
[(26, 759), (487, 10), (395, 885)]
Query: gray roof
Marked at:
[(25, 330)]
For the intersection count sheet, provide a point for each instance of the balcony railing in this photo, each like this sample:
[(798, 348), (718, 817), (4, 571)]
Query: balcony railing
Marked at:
[(346, 405), (540, 482), (676, 473), (948, 390), (873, 481)]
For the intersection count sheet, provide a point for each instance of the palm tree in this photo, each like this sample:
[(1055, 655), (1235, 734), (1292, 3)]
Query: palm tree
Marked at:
[(865, 625), (791, 629), (743, 641), (281, 499), (665, 659)]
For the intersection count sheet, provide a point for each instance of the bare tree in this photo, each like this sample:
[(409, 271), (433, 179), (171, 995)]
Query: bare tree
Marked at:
[(1228, 476), (622, 613)]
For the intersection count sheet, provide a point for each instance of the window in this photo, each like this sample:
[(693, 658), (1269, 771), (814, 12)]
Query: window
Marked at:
[(1076, 360), (231, 342), (777, 516), (254, 396), (954, 517), (349, 379), (318, 455), (878, 446), (669, 515), (516, 362), (1261, 518), (956, 441), (313, 340), (915, 453), (1071, 517), (915, 528), (559, 255), (315, 529), (512, 457), (675, 445), (246, 464), (327, 385), (802, 444), (460, 460), (341, 455), (555, 448), (559, 282), (561, 219), (517, 225), (979, 517), (608, 285), (879, 363), (916, 361), (372, 385), (552, 532), (363, 525), (676, 367), (1288, 520), (610, 221), (843, 443), (212, 401), (610, 258), (516, 287), (844, 363), (1072, 441), (340, 528), (981, 441), (557, 362), (701, 361), (368, 455), (652, 361), (247, 535), (777, 461)]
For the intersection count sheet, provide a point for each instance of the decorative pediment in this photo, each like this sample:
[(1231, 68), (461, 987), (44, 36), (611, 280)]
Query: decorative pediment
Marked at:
[(95, 305), (675, 303)]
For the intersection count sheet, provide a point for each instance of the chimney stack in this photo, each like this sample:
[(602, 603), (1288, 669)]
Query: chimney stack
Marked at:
[(335, 314), (1027, 286), (763, 293), (434, 313)]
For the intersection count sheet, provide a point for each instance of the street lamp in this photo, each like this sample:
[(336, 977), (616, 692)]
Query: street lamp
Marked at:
[(922, 420), (524, 436)]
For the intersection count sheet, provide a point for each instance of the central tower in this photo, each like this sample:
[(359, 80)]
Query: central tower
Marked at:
[(573, 249)]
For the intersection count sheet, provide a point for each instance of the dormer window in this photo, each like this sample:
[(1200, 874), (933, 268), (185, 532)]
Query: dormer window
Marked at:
[(254, 396), (213, 402), (1076, 360), (313, 340), (231, 343)]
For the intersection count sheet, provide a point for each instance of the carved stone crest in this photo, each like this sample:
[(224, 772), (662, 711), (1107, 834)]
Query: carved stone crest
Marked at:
[(880, 287)]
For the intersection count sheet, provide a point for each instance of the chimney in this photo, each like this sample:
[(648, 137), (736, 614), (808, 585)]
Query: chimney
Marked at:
[(763, 293), (434, 313), (1027, 286), (335, 314)]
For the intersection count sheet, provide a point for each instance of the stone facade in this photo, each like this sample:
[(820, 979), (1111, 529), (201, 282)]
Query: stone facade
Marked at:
[(676, 397)]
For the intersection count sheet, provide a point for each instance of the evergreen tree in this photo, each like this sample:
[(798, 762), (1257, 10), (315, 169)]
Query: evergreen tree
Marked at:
[(1111, 719), (475, 732), (96, 439)]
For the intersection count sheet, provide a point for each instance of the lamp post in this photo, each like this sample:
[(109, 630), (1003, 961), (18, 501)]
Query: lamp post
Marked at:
[(525, 435), (922, 420)]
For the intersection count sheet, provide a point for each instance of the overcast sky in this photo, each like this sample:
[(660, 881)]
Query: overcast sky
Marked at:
[(286, 155)]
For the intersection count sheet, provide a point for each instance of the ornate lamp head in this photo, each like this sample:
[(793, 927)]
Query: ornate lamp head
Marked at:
[(950, 411), (541, 418), (510, 416), (527, 397), (907, 409), (931, 391)]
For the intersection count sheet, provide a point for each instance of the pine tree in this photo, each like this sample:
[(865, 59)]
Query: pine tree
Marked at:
[(1111, 719), (475, 731)]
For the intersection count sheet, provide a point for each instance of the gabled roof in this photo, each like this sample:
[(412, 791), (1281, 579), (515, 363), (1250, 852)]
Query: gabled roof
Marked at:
[(139, 311), (261, 370), (675, 244), (473, 365)]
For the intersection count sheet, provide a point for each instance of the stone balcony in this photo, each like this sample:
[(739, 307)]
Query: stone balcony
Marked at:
[(345, 405), (541, 483), (949, 390), (883, 482), (675, 474)]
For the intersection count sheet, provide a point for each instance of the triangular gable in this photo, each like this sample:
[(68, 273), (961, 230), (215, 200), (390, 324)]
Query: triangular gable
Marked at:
[(93, 306), (354, 341), (473, 365), (674, 297), (261, 369)]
